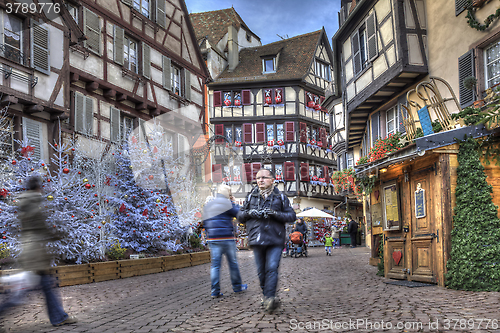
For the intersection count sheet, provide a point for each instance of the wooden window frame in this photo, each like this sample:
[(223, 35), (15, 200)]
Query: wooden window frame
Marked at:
[(264, 67), (384, 205), (140, 7)]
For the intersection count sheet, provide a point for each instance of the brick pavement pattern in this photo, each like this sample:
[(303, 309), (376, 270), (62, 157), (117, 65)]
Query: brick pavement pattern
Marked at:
[(322, 290)]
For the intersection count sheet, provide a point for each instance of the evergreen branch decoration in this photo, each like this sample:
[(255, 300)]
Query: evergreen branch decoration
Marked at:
[(474, 23), (475, 239)]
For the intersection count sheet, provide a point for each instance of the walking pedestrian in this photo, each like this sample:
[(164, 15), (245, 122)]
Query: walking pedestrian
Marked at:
[(218, 217), (266, 211), (352, 229), (328, 244), (335, 236), (34, 258)]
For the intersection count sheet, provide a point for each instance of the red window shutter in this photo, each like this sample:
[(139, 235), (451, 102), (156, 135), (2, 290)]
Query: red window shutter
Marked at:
[(255, 168), (260, 132), (217, 98), (245, 96), (325, 174), (303, 132), (322, 137), (304, 171), (247, 173), (289, 131), (219, 130), (216, 173), (289, 171), (247, 133)]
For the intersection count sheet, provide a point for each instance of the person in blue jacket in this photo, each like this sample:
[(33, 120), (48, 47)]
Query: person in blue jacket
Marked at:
[(218, 217)]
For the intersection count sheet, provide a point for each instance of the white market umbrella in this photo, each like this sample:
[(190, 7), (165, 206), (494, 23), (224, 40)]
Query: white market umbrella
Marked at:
[(314, 212)]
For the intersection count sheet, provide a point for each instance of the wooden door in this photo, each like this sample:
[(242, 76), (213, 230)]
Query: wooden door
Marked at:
[(422, 236)]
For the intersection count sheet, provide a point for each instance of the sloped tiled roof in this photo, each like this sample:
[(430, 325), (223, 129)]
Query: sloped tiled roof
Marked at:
[(213, 24), (295, 57)]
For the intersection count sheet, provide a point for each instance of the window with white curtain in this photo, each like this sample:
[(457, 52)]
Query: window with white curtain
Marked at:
[(492, 64)]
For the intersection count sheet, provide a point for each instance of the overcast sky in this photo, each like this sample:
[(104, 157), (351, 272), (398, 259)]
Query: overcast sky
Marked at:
[(269, 18)]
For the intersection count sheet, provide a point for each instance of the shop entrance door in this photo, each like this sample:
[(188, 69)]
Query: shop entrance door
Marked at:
[(422, 237)]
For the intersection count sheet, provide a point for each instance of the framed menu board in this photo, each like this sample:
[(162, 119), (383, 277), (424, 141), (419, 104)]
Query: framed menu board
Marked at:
[(419, 202), (391, 207)]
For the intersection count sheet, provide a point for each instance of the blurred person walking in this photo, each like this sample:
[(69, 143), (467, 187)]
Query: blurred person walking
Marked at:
[(266, 211), (34, 258), (218, 217), (335, 236)]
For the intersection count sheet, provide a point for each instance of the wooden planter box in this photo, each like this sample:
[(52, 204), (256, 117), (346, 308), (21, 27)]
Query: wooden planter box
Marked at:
[(73, 274), (177, 261), (103, 271), (199, 258), (136, 267)]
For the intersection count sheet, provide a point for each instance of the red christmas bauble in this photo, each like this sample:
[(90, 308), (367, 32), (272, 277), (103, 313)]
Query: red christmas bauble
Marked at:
[(99, 227), (65, 170), (87, 186), (151, 177)]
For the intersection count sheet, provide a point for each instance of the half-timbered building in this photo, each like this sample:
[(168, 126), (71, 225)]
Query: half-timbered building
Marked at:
[(218, 32), (401, 67), (140, 60), (34, 68), (266, 112)]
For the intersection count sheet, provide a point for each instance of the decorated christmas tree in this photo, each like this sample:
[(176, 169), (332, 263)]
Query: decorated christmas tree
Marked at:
[(474, 262), (73, 206), (145, 217), (14, 175)]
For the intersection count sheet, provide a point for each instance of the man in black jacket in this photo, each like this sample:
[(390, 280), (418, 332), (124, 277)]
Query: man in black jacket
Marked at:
[(265, 212), (352, 229)]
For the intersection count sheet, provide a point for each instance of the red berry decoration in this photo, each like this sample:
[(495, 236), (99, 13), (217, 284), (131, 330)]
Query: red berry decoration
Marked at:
[(151, 178), (87, 186), (79, 172), (55, 144), (65, 170), (48, 180), (95, 195), (6, 237), (14, 162), (99, 227)]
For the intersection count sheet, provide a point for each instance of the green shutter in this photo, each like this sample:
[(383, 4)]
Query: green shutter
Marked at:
[(79, 112), (160, 13), (89, 116), (118, 45), (146, 60), (92, 31), (187, 84), (356, 54), (167, 83), (32, 131), (40, 48), (466, 68), (371, 35), (115, 125)]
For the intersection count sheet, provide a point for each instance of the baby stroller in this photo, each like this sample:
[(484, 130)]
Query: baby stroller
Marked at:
[(299, 247)]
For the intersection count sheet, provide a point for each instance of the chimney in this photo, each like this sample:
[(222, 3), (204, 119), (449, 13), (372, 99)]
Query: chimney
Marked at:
[(232, 48)]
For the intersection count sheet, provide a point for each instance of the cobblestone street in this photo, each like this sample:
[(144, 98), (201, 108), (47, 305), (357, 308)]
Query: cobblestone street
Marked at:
[(339, 293)]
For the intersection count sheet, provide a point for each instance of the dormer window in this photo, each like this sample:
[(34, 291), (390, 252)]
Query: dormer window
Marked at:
[(269, 65)]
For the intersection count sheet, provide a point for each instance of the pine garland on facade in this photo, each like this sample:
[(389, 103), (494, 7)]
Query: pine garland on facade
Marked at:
[(475, 239)]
